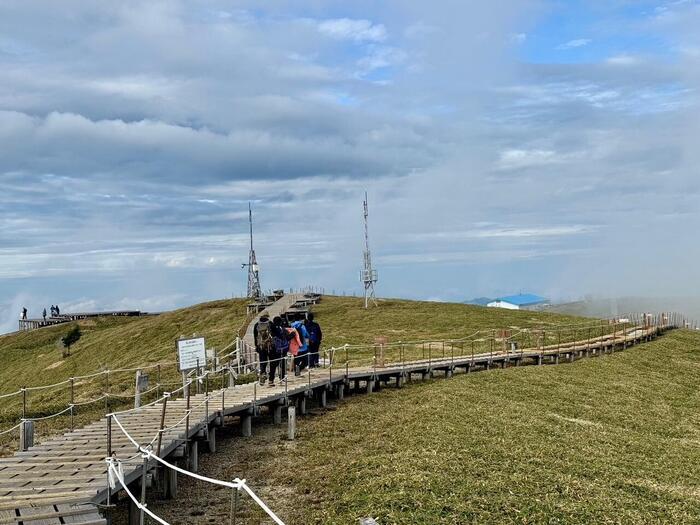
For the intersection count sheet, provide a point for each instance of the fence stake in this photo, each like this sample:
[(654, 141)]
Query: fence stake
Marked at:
[(72, 402), (109, 454), (158, 382), (162, 425), (187, 426), (24, 402), (106, 390), (144, 469)]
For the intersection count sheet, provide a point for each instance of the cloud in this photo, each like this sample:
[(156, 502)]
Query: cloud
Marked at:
[(132, 148), (357, 30), (573, 44), (624, 60)]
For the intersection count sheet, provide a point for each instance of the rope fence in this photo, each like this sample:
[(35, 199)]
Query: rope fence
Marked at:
[(377, 355), (116, 476)]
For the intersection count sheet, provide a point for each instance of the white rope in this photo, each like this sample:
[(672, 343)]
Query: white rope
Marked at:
[(44, 387), (50, 416), (11, 394), (10, 429), (91, 401), (237, 483), (120, 478)]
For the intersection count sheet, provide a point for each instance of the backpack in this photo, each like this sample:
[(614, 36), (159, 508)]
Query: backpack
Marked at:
[(313, 330), (264, 334), (281, 344)]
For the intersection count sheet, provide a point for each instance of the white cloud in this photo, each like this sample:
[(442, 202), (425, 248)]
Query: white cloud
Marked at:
[(624, 60), (358, 30), (573, 44), (514, 159)]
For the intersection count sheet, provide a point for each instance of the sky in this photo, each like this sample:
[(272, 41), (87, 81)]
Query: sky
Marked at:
[(546, 146)]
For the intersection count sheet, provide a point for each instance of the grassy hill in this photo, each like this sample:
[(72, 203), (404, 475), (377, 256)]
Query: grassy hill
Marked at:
[(34, 358), (344, 320), (602, 440)]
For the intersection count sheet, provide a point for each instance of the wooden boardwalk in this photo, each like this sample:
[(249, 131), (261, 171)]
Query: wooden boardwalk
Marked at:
[(62, 479)]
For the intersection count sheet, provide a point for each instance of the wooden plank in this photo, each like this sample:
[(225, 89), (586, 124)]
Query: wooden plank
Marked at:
[(40, 513)]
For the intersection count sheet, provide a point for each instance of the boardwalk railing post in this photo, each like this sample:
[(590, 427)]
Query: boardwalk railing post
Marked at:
[(158, 379), (24, 402), (162, 425), (106, 373), (291, 423), (72, 404), (26, 435), (109, 455), (187, 424), (144, 470), (137, 390)]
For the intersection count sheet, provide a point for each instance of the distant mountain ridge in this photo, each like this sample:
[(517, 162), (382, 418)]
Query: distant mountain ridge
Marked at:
[(479, 301)]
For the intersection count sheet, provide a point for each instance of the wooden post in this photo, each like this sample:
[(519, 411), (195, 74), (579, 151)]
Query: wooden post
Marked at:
[(277, 415), (72, 404), (193, 456), (144, 472), (291, 423), (158, 381), (322, 398), (169, 483), (211, 440), (137, 391), (26, 435), (246, 425), (162, 426), (24, 402), (106, 390)]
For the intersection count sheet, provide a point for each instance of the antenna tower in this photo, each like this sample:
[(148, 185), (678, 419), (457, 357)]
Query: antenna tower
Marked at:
[(368, 276), (254, 290)]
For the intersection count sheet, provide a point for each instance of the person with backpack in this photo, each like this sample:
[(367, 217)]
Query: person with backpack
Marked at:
[(315, 338), (262, 333), (278, 356)]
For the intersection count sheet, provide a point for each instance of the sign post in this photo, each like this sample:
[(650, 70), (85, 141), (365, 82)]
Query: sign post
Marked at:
[(190, 353)]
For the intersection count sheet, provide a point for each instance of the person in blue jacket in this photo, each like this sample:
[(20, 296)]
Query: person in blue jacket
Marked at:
[(315, 338), (302, 359)]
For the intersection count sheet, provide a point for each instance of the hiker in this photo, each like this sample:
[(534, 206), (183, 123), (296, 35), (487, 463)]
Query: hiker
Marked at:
[(278, 357), (315, 338), (53, 311), (44, 314), (58, 312), (262, 334), (24, 313), (300, 347)]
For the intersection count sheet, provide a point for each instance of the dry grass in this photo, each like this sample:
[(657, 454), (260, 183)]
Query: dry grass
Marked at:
[(33, 358), (608, 440)]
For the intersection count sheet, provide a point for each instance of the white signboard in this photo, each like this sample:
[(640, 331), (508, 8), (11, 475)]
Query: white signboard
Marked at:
[(191, 353)]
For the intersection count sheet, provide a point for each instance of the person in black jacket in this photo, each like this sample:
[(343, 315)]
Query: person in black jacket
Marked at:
[(278, 356), (262, 333), (315, 339)]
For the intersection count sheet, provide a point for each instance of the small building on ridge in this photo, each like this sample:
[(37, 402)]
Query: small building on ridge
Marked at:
[(525, 301)]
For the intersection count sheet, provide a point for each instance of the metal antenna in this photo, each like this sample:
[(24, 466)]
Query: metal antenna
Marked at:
[(368, 276), (254, 289)]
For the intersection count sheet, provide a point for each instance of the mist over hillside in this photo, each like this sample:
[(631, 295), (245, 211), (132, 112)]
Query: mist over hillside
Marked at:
[(610, 307)]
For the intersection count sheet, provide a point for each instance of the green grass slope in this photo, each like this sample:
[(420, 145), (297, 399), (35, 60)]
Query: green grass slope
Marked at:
[(31, 358), (604, 440), (344, 320), (34, 358)]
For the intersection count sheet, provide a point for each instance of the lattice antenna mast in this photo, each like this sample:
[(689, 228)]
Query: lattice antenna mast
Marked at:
[(254, 289), (368, 276)]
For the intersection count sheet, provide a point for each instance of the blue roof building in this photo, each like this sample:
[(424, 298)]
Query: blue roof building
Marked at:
[(518, 302)]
